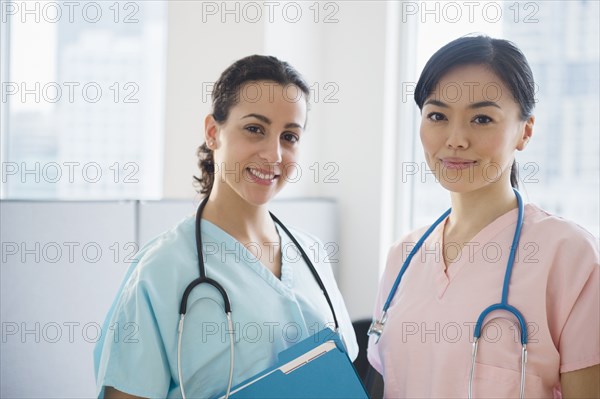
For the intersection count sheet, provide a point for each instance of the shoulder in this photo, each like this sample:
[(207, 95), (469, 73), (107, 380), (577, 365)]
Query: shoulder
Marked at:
[(556, 232), (323, 256), (398, 253), (561, 250), (304, 238), (179, 235), (165, 254), (401, 247), (536, 217), (312, 245)]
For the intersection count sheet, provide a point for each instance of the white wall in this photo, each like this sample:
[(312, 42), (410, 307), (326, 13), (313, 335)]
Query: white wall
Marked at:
[(197, 52), (61, 265), (350, 56), (350, 134)]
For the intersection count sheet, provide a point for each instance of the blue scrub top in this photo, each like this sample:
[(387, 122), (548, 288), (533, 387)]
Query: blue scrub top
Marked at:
[(137, 352)]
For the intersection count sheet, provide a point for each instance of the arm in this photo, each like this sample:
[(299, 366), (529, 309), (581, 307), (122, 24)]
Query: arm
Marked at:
[(112, 393), (584, 383)]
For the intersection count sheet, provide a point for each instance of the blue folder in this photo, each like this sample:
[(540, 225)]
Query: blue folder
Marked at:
[(317, 367)]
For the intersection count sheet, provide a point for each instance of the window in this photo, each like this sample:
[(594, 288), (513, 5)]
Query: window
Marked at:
[(82, 99)]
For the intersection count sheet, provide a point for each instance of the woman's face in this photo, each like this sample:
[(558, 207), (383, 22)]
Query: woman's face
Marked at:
[(470, 129), (256, 148)]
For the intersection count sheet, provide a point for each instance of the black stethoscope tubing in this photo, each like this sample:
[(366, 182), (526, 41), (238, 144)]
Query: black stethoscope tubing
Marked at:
[(227, 304)]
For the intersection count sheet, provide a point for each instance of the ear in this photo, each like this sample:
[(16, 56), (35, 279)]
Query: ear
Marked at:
[(526, 133), (211, 131)]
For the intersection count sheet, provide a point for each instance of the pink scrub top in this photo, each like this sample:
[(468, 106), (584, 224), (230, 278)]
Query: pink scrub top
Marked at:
[(425, 349)]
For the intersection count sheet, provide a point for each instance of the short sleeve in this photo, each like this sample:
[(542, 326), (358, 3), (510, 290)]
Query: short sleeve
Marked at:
[(573, 297), (579, 344), (132, 358)]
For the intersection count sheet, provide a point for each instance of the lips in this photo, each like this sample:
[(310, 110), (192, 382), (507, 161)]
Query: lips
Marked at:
[(457, 163), (262, 176)]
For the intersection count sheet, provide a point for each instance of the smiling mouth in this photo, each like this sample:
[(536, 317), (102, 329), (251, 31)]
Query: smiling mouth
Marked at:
[(262, 175)]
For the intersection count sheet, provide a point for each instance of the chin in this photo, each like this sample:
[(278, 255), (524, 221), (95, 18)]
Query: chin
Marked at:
[(257, 198), (458, 186), (466, 186)]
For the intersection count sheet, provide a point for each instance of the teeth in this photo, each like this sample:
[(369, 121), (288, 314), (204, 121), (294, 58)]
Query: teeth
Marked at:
[(261, 175)]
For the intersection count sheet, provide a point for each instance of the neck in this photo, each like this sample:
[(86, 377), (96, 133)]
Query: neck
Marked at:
[(472, 211), (243, 221)]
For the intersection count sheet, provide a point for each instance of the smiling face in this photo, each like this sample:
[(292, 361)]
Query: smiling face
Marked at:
[(256, 148), (470, 128)]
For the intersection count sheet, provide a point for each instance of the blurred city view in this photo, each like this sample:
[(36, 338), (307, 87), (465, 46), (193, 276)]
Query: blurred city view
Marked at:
[(84, 99), (83, 102)]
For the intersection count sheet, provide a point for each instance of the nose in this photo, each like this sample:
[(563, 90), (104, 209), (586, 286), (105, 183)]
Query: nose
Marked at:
[(457, 137), (271, 151)]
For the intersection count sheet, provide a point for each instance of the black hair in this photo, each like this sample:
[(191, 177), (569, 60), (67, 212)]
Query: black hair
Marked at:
[(226, 94), (501, 56)]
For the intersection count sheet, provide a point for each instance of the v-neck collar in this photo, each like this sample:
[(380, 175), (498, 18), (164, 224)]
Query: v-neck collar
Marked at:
[(247, 258), (443, 275)]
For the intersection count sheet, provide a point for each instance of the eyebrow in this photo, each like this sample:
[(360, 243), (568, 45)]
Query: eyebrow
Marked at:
[(480, 104), (269, 122)]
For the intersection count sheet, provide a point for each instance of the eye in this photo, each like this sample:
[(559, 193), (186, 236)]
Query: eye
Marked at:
[(436, 116), (290, 137), (254, 129), (482, 119)]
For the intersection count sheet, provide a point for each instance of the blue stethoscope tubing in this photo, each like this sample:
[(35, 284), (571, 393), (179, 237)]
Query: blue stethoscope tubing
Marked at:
[(377, 325), (203, 279)]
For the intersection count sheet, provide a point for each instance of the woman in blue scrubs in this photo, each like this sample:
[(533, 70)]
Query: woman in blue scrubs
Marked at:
[(251, 145)]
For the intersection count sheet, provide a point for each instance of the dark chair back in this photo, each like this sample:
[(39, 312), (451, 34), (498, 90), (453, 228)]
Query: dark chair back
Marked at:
[(371, 378)]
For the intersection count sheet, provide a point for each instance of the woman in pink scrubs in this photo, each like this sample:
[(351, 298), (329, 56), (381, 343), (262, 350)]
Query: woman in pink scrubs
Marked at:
[(476, 97)]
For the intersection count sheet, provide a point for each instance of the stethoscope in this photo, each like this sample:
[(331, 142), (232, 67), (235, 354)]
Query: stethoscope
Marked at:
[(227, 305), (376, 327)]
